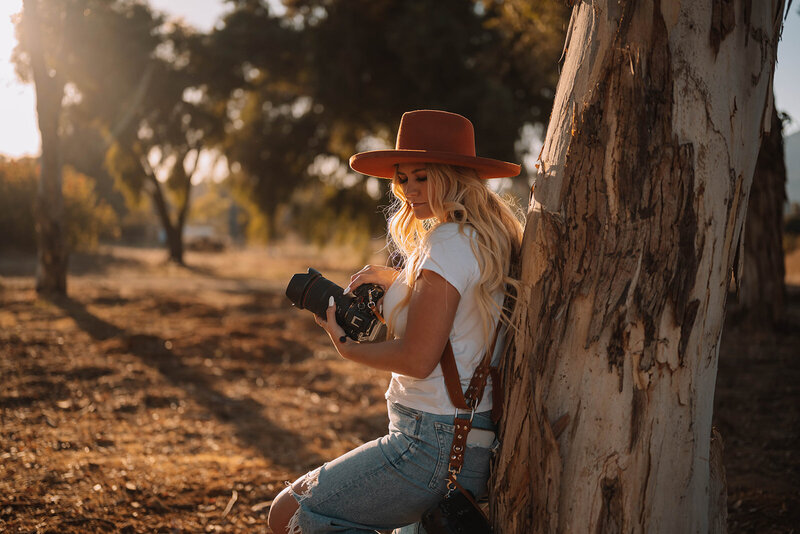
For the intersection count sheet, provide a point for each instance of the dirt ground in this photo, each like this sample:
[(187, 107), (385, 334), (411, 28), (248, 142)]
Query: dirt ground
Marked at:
[(165, 399)]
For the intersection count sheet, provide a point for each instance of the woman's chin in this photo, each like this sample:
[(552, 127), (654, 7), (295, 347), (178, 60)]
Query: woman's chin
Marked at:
[(422, 212)]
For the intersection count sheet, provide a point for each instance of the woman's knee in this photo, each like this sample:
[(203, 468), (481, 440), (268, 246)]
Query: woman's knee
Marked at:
[(280, 513), (285, 505)]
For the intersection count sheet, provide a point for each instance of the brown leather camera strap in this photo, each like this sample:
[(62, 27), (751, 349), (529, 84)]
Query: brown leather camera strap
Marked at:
[(477, 384), (451, 379), (461, 428), (465, 401)]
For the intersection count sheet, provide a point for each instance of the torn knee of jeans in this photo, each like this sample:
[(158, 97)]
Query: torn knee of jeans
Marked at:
[(293, 526), (309, 482)]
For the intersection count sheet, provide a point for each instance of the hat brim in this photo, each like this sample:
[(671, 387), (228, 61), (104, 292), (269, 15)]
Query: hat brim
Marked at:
[(381, 163)]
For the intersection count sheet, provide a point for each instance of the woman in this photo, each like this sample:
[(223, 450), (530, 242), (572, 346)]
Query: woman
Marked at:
[(458, 239)]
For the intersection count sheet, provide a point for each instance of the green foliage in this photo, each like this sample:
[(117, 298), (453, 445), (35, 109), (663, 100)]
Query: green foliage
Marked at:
[(251, 222), (211, 204), (83, 149), (87, 219), (127, 172), (329, 215), (17, 194)]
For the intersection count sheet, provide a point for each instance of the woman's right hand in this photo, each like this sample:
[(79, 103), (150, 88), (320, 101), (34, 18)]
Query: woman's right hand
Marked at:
[(373, 274)]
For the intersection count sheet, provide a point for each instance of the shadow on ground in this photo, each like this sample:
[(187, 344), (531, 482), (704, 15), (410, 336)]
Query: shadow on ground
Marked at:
[(246, 415)]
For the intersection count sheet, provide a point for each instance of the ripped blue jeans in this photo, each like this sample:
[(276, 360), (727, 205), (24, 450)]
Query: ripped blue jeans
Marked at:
[(389, 483)]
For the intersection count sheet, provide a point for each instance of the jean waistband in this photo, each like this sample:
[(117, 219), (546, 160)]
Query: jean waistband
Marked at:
[(480, 420)]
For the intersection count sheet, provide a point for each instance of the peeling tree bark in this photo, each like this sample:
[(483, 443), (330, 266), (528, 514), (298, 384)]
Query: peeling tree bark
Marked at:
[(628, 248)]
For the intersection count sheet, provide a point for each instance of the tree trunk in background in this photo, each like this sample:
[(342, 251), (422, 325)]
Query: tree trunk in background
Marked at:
[(179, 176), (172, 232), (51, 271), (628, 249), (175, 244), (761, 288)]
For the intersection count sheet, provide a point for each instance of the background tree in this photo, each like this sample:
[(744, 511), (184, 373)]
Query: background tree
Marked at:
[(760, 269), (142, 91), (98, 60), (135, 109), (42, 63), (160, 152), (629, 246)]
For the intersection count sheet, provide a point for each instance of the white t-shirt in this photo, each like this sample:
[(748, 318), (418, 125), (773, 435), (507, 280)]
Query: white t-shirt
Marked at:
[(450, 255)]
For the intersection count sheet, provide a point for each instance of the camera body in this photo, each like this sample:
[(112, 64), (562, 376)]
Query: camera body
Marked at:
[(312, 291)]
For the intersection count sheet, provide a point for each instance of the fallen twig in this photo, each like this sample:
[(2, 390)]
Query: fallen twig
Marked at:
[(261, 505), (231, 502)]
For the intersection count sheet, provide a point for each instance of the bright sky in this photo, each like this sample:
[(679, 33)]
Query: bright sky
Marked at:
[(19, 134)]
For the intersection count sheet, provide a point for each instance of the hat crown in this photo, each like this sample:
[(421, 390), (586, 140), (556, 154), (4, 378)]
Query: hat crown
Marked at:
[(438, 131), (431, 136)]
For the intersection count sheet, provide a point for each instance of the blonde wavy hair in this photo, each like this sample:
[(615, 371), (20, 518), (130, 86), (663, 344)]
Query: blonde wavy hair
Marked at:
[(458, 194)]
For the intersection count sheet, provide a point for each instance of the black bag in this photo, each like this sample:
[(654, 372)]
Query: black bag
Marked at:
[(455, 515)]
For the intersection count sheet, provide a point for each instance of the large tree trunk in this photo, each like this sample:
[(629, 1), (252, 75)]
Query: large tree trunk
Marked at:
[(628, 248), (51, 271), (762, 270)]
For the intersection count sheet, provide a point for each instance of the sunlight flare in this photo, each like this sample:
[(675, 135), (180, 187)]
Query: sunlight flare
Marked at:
[(19, 135)]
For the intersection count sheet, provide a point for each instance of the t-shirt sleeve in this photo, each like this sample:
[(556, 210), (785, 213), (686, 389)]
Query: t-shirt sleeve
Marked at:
[(450, 256)]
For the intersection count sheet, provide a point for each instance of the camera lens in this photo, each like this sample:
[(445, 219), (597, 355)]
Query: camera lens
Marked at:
[(312, 291)]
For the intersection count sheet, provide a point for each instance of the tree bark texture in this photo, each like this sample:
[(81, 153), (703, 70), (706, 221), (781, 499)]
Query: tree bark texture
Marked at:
[(629, 245), (762, 271), (51, 271)]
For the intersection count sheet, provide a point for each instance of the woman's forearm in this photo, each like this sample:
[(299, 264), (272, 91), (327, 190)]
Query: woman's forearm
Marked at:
[(431, 310), (394, 355)]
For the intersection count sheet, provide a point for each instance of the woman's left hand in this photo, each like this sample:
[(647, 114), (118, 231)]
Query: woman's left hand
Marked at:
[(373, 274), (330, 325)]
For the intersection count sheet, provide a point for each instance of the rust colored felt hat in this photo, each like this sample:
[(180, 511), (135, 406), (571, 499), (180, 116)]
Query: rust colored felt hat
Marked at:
[(429, 136)]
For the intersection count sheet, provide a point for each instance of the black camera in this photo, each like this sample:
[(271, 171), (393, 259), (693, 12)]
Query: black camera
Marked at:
[(312, 291)]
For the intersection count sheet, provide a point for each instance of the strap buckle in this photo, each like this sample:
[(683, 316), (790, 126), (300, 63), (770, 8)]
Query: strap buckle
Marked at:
[(473, 406), (374, 309), (452, 474), (472, 410)]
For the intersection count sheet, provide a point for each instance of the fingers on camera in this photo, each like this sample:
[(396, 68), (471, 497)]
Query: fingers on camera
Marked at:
[(352, 285)]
